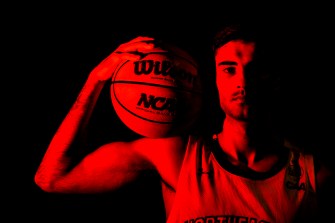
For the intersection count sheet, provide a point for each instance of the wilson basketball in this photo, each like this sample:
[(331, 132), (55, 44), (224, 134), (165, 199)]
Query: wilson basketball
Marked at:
[(159, 95)]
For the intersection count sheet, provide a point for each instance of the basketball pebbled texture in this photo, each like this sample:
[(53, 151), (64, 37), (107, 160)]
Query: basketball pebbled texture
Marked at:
[(159, 95)]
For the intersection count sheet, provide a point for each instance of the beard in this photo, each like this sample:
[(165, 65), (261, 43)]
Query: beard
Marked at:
[(237, 111)]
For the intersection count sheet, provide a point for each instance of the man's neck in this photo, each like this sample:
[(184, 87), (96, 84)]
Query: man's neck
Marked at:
[(243, 144)]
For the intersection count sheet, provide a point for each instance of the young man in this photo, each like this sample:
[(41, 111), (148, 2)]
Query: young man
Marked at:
[(244, 173)]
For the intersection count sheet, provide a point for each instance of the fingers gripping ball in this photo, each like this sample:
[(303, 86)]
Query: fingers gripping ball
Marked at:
[(158, 95)]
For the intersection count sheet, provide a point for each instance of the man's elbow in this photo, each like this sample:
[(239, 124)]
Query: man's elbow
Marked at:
[(44, 184)]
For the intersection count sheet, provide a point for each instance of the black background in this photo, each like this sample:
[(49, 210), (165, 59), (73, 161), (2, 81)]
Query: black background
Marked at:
[(56, 46)]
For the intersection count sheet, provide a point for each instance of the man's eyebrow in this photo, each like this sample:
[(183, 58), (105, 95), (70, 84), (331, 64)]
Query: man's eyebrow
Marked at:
[(227, 63)]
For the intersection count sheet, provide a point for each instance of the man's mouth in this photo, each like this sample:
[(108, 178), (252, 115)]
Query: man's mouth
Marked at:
[(239, 98)]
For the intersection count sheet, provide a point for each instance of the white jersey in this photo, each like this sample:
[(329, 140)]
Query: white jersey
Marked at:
[(208, 193)]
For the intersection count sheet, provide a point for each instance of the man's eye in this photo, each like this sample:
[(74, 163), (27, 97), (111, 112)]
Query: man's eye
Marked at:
[(230, 70)]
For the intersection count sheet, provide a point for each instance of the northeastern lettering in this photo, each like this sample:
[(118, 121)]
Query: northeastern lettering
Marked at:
[(225, 219), (157, 103)]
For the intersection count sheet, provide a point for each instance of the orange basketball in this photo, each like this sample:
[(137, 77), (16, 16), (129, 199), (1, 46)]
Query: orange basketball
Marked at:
[(159, 95)]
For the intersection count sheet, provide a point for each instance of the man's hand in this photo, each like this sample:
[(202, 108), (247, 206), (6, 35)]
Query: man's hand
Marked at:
[(132, 50)]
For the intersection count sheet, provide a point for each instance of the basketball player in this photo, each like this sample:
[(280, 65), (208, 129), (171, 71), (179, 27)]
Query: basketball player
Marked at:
[(245, 172)]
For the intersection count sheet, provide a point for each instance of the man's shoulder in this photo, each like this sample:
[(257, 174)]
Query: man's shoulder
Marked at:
[(184, 139), (149, 146)]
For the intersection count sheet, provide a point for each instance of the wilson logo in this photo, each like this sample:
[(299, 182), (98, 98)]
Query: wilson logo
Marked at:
[(164, 68)]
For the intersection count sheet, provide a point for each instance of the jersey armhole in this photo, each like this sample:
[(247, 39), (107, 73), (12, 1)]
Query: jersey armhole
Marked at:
[(311, 169)]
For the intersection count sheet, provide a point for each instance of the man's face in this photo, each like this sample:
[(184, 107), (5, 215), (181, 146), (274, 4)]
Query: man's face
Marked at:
[(234, 70)]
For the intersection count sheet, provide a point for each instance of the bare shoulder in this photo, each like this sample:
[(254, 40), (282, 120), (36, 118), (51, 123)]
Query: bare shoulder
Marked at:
[(153, 150), (151, 147), (324, 173), (165, 154), (325, 186)]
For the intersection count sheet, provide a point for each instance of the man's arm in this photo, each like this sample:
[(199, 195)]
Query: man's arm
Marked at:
[(57, 171)]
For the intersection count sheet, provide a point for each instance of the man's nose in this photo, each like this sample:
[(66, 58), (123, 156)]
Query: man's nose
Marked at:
[(241, 81), (242, 90)]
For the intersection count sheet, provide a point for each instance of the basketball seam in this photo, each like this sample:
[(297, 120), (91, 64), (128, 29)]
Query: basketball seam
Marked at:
[(156, 85), (175, 54), (150, 120)]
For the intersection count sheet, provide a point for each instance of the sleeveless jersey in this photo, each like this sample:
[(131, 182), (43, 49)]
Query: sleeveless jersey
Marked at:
[(208, 193)]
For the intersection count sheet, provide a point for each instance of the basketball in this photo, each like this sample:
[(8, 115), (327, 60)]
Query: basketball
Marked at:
[(159, 95)]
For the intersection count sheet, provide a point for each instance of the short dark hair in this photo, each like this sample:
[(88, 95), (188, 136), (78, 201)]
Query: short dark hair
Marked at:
[(248, 31)]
